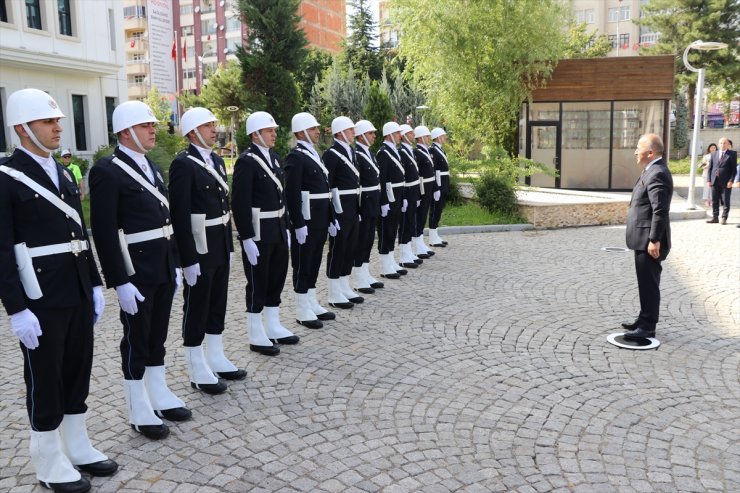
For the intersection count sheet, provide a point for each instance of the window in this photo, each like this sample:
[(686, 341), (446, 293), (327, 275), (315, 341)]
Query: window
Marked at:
[(137, 35), (209, 48), (613, 41), (590, 16), (136, 58), (624, 13), (33, 14), (624, 40), (188, 73), (110, 105), (137, 80), (186, 9), (65, 17), (208, 26), (580, 16), (614, 14), (135, 11), (187, 30), (232, 44), (78, 115), (233, 24), (3, 16)]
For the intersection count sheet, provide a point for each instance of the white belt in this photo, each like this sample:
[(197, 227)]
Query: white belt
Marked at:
[(349, 191), (152, 234), (218, 221), (444, 173), (272, 214), (396, 185), (74, 246), (370, 189), (411, 183), (320, 195), (427, 180)]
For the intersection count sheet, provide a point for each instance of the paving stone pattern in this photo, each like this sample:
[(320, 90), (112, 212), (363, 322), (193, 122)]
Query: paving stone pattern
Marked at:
[(485, 370)]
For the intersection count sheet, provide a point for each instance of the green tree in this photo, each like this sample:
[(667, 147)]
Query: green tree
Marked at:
[(378, 110), (311, 73), (360, 50), (405, 99), (224, 89), (582, 44), (344, 92), (681, 22), (168, 145), (680, 133), (477, 60)]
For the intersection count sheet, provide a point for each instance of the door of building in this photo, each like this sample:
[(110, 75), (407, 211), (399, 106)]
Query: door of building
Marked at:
[(543, 146)]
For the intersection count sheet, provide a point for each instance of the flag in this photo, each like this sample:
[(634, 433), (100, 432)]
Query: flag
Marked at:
[(174, 50), (133, 42), (184, 51)]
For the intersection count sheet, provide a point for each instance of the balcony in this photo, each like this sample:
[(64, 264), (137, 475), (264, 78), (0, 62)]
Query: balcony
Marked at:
[(138, 23), (139, 46), (648, 39), (137, 90), (137, 67)]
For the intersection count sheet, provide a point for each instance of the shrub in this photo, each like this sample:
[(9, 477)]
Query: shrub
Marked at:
[(496, 193), (454, 196)]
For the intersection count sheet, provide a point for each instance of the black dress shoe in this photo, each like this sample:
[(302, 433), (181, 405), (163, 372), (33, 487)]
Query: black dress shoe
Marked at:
[(422, 255), (343, 305), (394, 275), (430, 253), (418, 261), (629, 325), (210, 388), (326, 316), (174, 414), (152, 432), (357, 300), (101, 468), (444, 243), (232, 375), (402, 272), (441, 245), (289, 340), (639, 333), (409, 265), (311, 324), (714, 220), (82, 485), (379, 285), (369, 290), (266, 350)]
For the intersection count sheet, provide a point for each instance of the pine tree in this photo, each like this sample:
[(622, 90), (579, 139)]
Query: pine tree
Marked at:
[(360, 50), (378, 110)]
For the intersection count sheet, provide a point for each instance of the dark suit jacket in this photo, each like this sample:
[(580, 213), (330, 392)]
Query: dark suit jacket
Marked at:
[(65, 279), (302, 173), (726, 168), (193, 190), (252, 187), (411, 173), (648, 217), (441, 164), (117, 201), (390, 173), (343, 178), (369, 177)]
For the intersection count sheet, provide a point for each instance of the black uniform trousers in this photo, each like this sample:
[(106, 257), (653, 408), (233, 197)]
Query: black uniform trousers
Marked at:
[(648, 272), (422, 212), (265, 280), (204, 308), (388, 228), (407, 222), (721, 194), (435, 210), (365, 240), (145, 333), (342, 248), (57, 373), (306, 259)]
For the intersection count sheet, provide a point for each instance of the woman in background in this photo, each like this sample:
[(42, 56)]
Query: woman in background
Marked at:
[(706, 193)]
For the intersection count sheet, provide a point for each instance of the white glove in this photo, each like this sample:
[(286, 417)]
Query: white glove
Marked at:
[(437, 195), (301, 234), (127, 296), (384, 210), (250, 248), (287, 235), (418, 203), (26, 327), (359, 217), (178, 281), (332, 229), (191, 273), (405, 205), (98, 302)]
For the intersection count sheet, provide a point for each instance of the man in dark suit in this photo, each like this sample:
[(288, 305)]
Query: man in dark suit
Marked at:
[(199, 205), (392, 180), (259, 214), (429, 185), (411, 199), (722, 170), (649, 231), (131, 224), (439, 196), (53, 297)]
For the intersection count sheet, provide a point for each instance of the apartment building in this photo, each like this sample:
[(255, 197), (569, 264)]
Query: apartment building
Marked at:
[(72, 49)]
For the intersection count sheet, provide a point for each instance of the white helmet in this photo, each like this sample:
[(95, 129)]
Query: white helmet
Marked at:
[(259, 120), (391, 128), (363, 127), (28, 105), (131, 113), (437, 132), (421, 131), (405, 128), (302, 121), (340, 124), (194, 118)]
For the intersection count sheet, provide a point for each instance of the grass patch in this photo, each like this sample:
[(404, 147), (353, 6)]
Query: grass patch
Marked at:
[(681, 166), (470, 213)]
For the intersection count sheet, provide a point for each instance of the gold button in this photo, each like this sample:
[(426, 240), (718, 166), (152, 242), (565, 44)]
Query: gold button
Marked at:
[(62, 196), (167, 220), (73, 234), (36, 195)]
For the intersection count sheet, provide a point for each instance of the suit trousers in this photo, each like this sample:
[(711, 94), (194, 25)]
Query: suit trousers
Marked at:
[(145, 333), (435, 211), (57, 373), (407, 223), (342, 249), (723, 193), (306, 259), (648, 272), (204, 308), (422, 213), (365, 240), (265, 280), (388, 228)]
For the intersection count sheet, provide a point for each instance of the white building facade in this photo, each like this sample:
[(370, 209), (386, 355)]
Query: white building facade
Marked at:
[(72, 49)]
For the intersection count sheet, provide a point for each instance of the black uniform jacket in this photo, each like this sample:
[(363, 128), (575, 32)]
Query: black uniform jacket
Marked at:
[(412, 173), (65, 279), (343, 178), (369, 177), (426, 166), (647, 218), (390, 172), (253, 188), (193, 190), (303, 173), (725, 168), (117, 201), (441, 164)]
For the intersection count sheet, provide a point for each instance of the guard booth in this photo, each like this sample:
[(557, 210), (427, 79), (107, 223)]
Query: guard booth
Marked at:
[(586, 121)]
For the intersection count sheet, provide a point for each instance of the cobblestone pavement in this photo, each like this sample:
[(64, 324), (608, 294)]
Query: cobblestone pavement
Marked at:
[(487, 369)]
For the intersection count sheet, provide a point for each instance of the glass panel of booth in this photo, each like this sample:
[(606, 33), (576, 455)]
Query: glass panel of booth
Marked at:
[(632, 119), (585, 150)]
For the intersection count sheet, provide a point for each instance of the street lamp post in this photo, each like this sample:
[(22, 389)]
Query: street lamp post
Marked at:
[(421, 109), (233, 110), (705, 46)]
